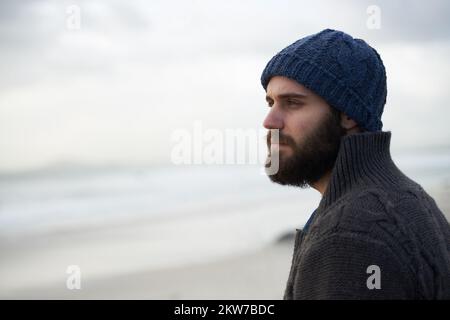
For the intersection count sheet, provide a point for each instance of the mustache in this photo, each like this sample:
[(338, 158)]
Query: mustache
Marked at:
[(282, 139)]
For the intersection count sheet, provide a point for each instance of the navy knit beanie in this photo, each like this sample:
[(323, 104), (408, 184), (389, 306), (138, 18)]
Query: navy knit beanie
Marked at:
[(346, 72)]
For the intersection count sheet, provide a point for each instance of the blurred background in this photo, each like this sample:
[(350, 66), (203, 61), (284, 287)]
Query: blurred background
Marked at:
[(91, 93)]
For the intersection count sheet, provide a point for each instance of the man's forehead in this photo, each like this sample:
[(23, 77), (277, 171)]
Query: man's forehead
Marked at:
[(282, 86)]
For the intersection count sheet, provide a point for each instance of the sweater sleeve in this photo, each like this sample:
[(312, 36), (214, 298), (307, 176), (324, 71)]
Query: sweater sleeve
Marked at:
[(351, 266)]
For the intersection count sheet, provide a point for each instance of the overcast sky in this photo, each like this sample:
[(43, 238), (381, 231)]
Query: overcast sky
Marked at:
[(114, 90)]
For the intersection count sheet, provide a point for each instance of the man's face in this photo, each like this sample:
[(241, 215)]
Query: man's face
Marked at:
[(309, 132)]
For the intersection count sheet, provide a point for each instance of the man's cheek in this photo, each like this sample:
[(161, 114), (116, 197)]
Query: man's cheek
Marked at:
[(302, 130)]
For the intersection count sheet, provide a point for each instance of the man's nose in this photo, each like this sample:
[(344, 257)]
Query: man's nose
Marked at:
[(274, 119)]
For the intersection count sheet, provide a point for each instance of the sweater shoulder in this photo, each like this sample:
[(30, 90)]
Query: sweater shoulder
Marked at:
[(406, 217)]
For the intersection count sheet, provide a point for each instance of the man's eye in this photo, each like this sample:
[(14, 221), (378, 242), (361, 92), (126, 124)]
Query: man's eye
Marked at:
[(293, 103), (269, 104)]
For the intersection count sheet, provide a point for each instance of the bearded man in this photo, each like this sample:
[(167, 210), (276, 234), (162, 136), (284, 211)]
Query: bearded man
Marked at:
[(375, 234)]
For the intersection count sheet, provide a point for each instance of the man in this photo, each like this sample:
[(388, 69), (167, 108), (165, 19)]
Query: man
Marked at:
[(376, 234)]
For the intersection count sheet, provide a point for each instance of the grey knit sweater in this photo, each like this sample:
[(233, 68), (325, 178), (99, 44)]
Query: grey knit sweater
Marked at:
[(371, 215)]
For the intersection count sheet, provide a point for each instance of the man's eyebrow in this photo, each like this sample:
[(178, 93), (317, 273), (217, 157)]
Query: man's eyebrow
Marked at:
[(288, 95)]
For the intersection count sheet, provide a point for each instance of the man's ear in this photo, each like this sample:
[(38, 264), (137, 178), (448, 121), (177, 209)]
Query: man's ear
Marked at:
[(347, 123)]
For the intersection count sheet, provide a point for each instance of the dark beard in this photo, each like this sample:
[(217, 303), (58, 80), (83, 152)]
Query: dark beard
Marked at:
[(314, 157)]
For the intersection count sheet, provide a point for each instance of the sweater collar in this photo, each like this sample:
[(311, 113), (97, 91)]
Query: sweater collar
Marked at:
[(363, 160)]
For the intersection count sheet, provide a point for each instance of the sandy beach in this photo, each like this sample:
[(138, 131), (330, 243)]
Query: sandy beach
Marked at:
[(257, 275)]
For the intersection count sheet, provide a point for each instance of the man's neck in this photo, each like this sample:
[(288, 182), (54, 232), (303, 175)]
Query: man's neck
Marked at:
[(322, 184)]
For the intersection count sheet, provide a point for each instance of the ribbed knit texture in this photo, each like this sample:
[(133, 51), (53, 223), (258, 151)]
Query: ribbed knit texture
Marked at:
[(346, 72), (371, 214)]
